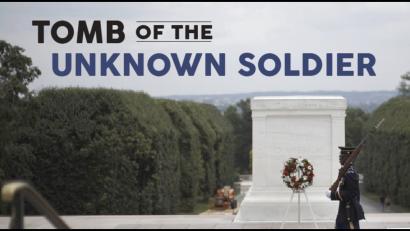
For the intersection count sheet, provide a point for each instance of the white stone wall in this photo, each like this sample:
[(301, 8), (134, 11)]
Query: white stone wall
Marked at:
[(311, 127)]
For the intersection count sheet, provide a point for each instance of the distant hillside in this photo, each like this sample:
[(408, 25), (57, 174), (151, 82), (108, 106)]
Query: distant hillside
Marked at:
[(366, 100)]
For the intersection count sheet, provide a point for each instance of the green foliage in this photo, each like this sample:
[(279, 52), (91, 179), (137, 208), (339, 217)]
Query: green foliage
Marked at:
[(386, 156), (16, 72), (240, 117), (216, 145), (99, 151), (404, 87), (191, 163), (356, 120)]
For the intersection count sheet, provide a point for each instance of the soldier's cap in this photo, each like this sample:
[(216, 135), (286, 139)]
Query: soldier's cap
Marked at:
[(346, 150)]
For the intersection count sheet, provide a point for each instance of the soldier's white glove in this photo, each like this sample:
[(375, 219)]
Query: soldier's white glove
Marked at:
[(328, 193)]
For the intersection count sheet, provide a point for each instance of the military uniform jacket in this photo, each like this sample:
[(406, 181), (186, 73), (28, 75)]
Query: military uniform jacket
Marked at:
[(349, 197)]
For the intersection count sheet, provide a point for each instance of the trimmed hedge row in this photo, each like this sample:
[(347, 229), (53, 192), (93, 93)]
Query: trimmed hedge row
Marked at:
[(385, 162), (100, 151)]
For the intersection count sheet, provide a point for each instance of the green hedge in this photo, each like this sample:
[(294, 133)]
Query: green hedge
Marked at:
[(191, 167), (216, 145), (240, 116), (100, 151), (385, 162), (356, 120)]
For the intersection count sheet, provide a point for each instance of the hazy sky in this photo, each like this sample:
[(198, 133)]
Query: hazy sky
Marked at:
[(382, 29)]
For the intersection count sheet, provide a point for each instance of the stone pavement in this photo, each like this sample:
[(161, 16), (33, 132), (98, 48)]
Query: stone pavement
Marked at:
[(374, 220)]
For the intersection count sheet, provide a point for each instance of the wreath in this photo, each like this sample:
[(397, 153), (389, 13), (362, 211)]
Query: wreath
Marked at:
[(298, 173)]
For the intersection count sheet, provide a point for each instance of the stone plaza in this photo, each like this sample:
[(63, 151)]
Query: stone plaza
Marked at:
[(374, 221)]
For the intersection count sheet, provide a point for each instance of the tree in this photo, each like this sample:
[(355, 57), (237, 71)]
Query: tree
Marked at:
[(356, 119), (240, 117), (16, 72), (404, 87), (386, 160), (101, 151)]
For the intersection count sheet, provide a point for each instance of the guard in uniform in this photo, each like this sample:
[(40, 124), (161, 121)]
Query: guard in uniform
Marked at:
[(350, 210)]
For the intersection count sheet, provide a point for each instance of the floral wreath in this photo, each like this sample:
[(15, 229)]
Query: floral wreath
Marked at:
[(297, 174)]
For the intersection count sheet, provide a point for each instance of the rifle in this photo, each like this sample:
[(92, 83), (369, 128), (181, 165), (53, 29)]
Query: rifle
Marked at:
[(352, 157)]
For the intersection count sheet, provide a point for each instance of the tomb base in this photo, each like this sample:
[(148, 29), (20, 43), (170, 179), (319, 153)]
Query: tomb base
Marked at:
[(270, 204)]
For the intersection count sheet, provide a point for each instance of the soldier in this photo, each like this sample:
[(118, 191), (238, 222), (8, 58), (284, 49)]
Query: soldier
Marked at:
[(350, 210)]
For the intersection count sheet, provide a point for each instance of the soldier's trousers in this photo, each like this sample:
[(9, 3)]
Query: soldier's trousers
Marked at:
[(345, 225)]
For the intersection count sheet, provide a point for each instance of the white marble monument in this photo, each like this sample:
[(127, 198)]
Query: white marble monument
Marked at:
[(310, 127)]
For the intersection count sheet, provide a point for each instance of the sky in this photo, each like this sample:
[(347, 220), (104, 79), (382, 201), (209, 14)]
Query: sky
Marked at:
[(382, 29)]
